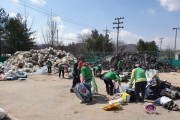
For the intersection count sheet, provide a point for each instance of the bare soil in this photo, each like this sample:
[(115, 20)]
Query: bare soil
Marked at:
[(44, 97)]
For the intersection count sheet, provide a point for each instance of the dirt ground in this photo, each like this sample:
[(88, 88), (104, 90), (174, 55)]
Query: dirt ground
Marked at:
[(44, 97)]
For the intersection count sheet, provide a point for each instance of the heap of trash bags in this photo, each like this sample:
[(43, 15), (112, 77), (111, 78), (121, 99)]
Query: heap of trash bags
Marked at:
[(130, 59), (160, 91), (157, 87), (13, 75)]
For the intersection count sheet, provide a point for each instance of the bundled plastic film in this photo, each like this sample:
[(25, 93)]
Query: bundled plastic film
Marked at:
[(112, 106)]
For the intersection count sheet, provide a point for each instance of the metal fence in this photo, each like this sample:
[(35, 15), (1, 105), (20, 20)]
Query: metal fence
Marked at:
[(3, 58), (175, 63), (163, 56), (169, 57), (95, 56)]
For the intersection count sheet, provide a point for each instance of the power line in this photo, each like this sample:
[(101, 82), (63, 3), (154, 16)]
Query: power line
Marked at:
[(38, 9), (25, 4), (118, 27), (63, 38), (106, 32)]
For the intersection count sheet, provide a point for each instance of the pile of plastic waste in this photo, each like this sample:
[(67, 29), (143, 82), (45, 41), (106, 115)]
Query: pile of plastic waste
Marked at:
[(33, 61)]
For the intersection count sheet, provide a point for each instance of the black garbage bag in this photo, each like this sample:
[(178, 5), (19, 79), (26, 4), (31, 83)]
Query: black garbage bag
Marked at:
[(169, 93), (171, 106)]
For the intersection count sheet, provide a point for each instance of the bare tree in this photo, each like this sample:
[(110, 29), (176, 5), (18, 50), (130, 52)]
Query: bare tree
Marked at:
[(83, 37), (3, 21), (49, 36)]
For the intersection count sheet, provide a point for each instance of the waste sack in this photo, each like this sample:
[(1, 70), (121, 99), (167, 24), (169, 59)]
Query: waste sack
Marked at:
[(2, 76), (167, 103), (21, 74), (118, 100), (12, 77), (3, 114), (132, 94), (94, 88), (82, 92), (171, 106), (169, 93), (41, 71), (151, 73), (118, 88), (164, 100), (126, 97)]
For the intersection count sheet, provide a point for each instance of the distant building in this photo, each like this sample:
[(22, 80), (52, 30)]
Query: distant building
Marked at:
[(177, 55)]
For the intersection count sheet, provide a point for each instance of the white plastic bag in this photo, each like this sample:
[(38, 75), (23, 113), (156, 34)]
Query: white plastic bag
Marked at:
[(119, 100), (3, 114), (41, 71), (94, 88), (164, 100)]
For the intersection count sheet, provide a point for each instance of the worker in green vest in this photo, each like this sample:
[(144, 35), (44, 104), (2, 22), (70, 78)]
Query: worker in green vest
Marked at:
[(97, 70), (86, 77), (108, 80), (139, 78), (120, 66)]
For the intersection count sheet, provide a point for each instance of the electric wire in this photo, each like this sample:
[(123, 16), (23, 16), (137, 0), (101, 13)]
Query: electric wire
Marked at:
[(38, 9)]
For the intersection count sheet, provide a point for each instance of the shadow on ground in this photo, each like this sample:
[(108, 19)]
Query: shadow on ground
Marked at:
[(98, 99), (7, 118)]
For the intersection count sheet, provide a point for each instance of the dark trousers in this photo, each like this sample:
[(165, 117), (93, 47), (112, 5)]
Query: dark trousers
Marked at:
[(109, 85), (140, 88), (61, 71), (96, 72), (49, 69), (88, 86), (76, 79), (120, 70)]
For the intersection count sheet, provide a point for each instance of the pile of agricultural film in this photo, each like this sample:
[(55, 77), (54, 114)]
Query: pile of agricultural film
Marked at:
[(33, 60), (130, 59)]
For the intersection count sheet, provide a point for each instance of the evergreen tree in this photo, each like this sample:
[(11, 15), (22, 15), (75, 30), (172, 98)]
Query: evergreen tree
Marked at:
[(141, 45), (19, 37), (147, 47), (152, 46), (99, 43)]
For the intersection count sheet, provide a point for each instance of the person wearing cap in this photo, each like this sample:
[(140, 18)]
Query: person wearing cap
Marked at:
[(97, 70), (61, 70), (75, 75), (86, 77), (108, 77), (139, 78)]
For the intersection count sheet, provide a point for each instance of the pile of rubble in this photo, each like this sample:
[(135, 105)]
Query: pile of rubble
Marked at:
[(33, 60), (130, 59)]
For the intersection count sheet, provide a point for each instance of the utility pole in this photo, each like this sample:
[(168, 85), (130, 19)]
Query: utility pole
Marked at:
[(106, 32), (175, 41), (57, 37), (118, 27), (160, 43), (51, 30), (175, 38)]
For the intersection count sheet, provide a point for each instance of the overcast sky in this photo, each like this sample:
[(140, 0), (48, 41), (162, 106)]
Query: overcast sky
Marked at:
[(143, 19)]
